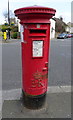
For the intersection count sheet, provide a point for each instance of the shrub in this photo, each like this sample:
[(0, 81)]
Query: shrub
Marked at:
[(14, 29), (14, 35)]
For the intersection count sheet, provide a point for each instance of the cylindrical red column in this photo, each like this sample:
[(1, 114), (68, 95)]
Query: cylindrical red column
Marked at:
[(35, 51)]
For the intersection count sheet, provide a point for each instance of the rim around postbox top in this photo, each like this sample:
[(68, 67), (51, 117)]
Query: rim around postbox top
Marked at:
[(34, 12), (35, 9)]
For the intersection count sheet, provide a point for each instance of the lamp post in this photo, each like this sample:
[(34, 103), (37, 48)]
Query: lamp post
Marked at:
[(8, 20)]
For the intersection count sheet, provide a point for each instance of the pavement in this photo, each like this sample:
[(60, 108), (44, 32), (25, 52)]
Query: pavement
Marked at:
[(0, 104), (9, 40), (57, 104)]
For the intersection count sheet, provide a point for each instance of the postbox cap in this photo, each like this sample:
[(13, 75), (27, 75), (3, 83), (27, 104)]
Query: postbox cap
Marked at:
[(38, 8), (35, 14)]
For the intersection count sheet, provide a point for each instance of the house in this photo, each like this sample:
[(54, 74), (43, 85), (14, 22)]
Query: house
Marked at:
[(71, 26), (52, 28), (68, 29), (60, 25)]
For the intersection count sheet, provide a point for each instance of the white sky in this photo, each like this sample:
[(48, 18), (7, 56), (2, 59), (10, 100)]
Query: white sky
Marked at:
[(63, 7)]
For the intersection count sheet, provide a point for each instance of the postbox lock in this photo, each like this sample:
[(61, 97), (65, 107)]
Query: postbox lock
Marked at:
[(46, 64), (45, 69), (38, 25)]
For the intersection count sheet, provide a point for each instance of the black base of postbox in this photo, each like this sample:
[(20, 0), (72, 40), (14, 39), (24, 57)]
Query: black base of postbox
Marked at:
[(33, 102)]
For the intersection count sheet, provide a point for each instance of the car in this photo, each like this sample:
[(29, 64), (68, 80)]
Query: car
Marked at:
[(62, 36), (72, 35), (69, 35)]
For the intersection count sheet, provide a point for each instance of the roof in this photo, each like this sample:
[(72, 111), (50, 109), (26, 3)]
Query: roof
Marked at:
[(59, 21), (70, 24), (53, 19)]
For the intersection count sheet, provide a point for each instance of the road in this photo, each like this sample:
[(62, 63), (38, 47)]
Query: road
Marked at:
[(60, 64)]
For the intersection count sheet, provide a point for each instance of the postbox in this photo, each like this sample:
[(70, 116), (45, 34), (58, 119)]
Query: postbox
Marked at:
[(35, 22)]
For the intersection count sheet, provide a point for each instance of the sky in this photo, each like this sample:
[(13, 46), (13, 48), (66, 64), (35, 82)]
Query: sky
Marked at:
[(63, 7)]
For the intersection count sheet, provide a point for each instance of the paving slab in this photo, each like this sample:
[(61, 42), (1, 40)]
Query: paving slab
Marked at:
[(57, 105)]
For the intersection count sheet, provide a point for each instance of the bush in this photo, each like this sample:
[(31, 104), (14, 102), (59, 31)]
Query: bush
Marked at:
[(14, 35), (14, 28), (3, 28), (1, 33)]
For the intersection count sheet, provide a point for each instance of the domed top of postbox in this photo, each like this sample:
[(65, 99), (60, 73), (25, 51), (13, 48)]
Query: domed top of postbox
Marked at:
[(35, 14)]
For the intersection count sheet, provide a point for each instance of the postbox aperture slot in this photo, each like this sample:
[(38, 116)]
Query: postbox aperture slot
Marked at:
[(37, 48), (37, 31)]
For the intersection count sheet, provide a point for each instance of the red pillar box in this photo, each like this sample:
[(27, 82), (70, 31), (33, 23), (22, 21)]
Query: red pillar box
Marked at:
[(35, 52)]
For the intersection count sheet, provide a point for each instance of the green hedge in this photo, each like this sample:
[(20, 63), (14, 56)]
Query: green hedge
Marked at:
[(14, 35)]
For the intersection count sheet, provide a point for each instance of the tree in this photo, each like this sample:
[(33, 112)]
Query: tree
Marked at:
[(61, 18), (9, 16), (5, 14), (5, 27)]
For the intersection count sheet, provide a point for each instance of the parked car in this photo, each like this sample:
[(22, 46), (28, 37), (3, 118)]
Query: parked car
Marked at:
[(69, 35), (62, 36)]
